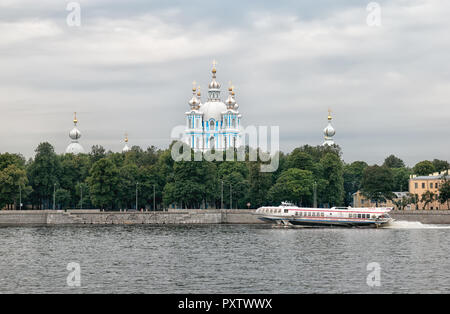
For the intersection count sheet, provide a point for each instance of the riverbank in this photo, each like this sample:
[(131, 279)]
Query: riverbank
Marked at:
[(176, 217), (97, 217)]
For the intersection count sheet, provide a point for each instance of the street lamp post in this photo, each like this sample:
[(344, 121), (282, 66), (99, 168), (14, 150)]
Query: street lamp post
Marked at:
[(221, 199), (54, 196), (137, 183), (315, 194), (20, 197), (154, 198), (81, 187), (231, 198)]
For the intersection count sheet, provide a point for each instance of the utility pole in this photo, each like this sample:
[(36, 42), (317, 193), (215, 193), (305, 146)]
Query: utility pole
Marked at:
[(54, 196), (20, 197), (221, 199), (137, 195), (231, 198), (315, 194), (154, 198), (81, 187)]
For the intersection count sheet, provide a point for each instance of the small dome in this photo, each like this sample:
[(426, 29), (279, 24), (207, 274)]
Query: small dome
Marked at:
[(74, 148), (230, 101), (75, 134), (194, 101), (214, 84), (126, 148), (213, 110), (329, 131)]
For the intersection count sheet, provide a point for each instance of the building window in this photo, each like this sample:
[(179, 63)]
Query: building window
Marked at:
[(416, 185), (431, 185), (423, 185)]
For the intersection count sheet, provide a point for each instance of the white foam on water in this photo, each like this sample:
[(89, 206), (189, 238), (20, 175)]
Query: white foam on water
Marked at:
[(403, 224)]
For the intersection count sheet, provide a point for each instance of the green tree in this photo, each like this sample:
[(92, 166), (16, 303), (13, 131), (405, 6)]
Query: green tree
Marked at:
[(63, 198), (128, 178), (393, 162), (150, 180), (193, 184), (440, 165), (427, 198), (377, 183), (43, 173), (332, 172), (259, 185), (444, 193), (353, 174), (13, 182), (97, 152), (294, 185), (401, 179), (103, 183), (423, 168)]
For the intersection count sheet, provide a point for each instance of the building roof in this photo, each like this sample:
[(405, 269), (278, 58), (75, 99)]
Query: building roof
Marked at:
[(438, 177)]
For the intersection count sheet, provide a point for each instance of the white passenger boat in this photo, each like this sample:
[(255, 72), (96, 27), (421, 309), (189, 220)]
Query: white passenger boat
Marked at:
[(289, 214)]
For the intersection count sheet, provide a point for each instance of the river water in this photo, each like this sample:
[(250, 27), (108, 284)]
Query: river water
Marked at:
[(412, 258)]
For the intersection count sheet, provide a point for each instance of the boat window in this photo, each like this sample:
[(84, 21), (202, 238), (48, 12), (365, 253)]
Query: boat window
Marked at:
[(286, 211), (359, 215), (321, 214), (350, 215)]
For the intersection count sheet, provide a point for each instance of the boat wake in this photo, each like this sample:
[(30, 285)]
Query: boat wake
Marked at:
[(402, 224)]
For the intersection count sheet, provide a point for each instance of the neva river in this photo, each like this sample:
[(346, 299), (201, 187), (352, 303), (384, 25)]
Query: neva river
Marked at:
[(224, 259)]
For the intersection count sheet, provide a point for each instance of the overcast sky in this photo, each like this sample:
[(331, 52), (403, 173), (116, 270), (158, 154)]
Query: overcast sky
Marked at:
[(130, 65)]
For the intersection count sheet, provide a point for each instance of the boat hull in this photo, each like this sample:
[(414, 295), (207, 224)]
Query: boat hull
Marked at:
[(327, 223)]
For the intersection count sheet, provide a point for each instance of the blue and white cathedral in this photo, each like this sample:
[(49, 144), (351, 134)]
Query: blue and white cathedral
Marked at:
[(213, 124)]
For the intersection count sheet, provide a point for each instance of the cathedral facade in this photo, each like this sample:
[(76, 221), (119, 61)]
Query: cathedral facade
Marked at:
[(213, 124)]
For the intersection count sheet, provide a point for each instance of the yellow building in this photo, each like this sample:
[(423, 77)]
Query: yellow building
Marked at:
[(418, 185), (359, 200)]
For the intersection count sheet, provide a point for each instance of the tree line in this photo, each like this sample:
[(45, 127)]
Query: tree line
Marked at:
[(306, 176)]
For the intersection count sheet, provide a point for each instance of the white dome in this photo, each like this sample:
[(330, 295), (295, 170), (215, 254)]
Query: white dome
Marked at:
[(126, 148), (329, 131), (74, 148), (213, 110), (75, 134)]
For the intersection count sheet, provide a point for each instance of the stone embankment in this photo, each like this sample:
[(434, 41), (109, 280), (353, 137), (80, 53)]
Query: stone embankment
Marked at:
[(96, 217), (175, 217)]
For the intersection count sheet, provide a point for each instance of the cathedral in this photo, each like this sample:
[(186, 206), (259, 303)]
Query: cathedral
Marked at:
[(213, 124)]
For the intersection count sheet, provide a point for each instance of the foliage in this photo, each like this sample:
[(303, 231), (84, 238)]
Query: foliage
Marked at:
[(424, 168), (294, 185), (377, 183), (393, 162), (103, 183), (108, 180), (444, 193), (427, 198)]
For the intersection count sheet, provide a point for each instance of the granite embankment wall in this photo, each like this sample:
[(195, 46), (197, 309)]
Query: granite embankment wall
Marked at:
[(423, 216), (212, 216), (57, 217)]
